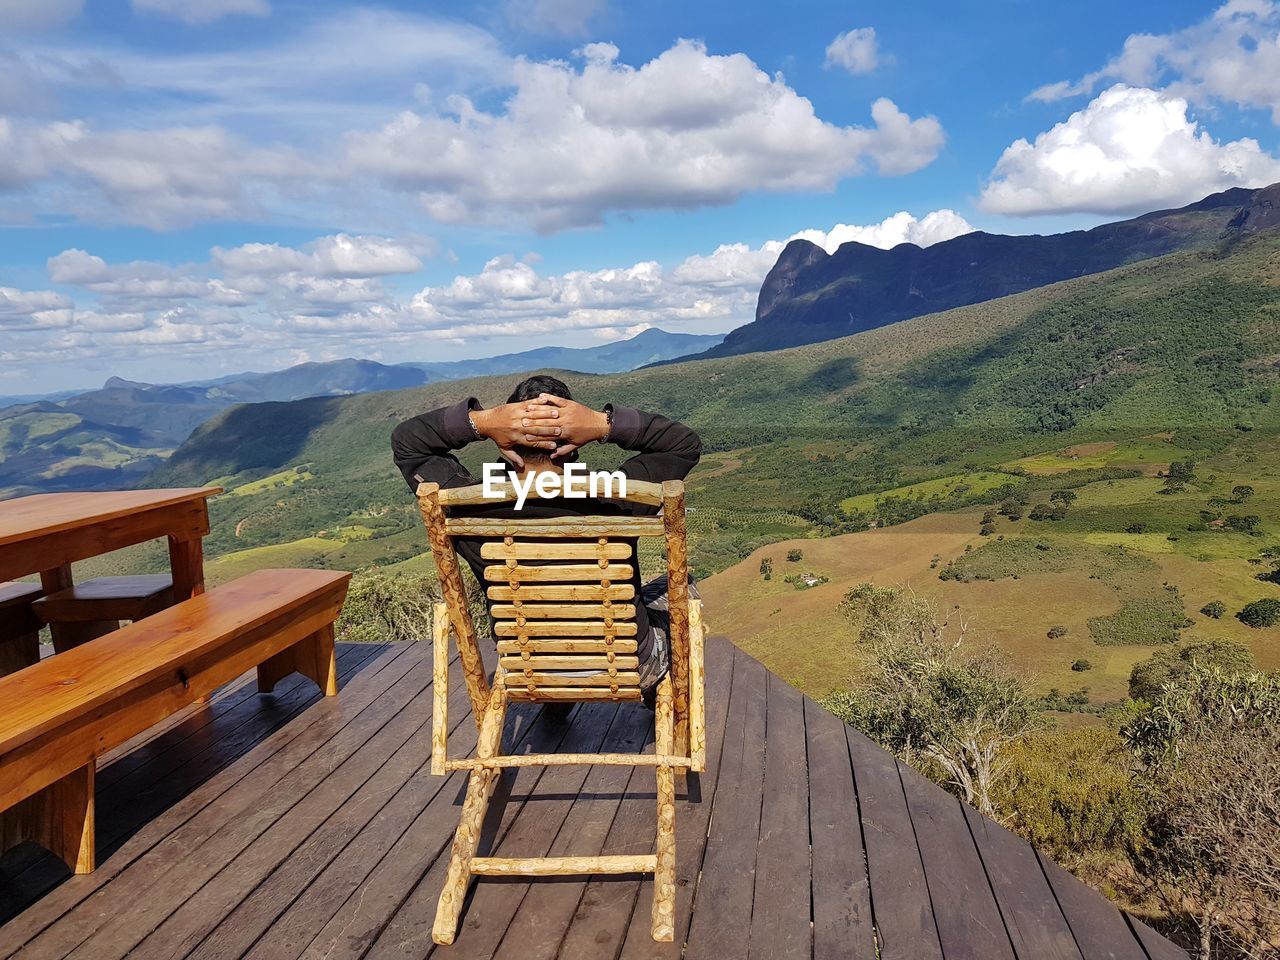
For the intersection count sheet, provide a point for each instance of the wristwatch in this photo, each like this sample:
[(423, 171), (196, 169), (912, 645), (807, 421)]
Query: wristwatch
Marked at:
[(608, 415)]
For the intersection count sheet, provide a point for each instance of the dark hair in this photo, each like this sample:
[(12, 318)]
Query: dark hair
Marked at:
[(537, 385), (530, 389)]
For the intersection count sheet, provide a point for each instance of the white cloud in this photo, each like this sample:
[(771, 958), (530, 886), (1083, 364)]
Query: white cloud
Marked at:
[(687, 129), (564, 17), (38, 14), (1129, 150), (1232, 56), (901, 227), (337, 256), (156, 178), (196, 12), (260, 304), (36, 310), (857, 51)]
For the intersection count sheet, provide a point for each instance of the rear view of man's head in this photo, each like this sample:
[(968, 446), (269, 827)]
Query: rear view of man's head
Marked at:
[(530, 389)]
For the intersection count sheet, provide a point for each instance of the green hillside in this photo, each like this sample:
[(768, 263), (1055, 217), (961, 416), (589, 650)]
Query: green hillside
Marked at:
[(1182, 344)]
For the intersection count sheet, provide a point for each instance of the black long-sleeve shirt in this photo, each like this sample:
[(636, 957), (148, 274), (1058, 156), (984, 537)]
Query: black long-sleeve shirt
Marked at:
[(423, 448)]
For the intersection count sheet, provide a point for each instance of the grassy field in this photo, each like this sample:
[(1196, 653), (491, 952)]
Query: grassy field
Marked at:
[(275, 481), (942, 488), (1118, 593)]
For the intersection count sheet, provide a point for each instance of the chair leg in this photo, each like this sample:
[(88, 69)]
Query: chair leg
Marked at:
[(474, 807), (664, 874)]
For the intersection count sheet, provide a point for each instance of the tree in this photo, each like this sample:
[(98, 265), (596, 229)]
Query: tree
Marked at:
[(1241, 492), (1064, 497), (1260, 613), (1242, 524), (1180, 473), (766, 568), (987, 529), (1148, 677), (1214, 609), (1041, 511), (1012, 509), (794, 556), (1136, 527), (1081, 665), (930, 696), (1209, 749)]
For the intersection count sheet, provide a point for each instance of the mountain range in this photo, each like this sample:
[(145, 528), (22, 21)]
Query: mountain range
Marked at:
[(1181, 347), (811, 295), (113, 436)]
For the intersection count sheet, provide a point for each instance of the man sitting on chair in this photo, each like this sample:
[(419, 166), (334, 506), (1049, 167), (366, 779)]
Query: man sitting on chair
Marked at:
[(539, 429)]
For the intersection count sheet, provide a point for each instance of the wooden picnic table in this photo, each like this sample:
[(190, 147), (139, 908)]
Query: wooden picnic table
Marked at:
[(45, 533)]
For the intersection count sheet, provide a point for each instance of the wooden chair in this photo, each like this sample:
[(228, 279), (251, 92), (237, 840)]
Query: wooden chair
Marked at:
[(564, 618), (94, 608), (19, 626)]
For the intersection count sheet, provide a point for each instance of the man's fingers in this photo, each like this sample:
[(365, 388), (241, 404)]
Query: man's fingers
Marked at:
[(552, 399), (540, 411), (534, 432), (516, 460), (564, 450)]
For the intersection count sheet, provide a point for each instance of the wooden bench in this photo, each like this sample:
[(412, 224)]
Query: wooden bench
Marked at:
[(64, 712)]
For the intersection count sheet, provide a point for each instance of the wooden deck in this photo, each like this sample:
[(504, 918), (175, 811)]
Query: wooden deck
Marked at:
[(291, 827)]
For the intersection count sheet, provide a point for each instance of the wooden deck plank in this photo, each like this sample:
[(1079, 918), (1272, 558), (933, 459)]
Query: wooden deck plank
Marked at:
[(695, 802), (604, 913), (542, 814), (780, 925), (221, 796), (1157, 947), (969, 926), (392, 794), (319, 835), (185, 905), (363, 916), (31, 873), (545, 910), (721, 925), (1031, 913), (408, 934), (899, 896), (841, 891), (1098, 926), (221, 825)]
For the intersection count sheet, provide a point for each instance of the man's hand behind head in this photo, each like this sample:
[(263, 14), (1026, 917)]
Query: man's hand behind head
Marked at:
[(565, 424)]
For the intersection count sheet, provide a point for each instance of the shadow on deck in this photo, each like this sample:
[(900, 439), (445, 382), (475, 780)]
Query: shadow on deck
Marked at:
[(293, 827)]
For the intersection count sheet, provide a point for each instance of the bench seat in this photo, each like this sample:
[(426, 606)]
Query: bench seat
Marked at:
[(64, 712), (19, 626)]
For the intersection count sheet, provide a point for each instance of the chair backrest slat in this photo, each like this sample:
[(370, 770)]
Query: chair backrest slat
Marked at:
[(563, 600)]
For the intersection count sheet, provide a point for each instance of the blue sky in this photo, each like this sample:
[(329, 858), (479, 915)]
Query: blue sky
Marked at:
[(194, 187)]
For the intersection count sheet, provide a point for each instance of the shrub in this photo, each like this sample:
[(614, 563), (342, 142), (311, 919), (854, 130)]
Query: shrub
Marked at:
[(1214, 609), (1041, 511), (1070, 793), (987, 529), (1056, 632), (1149, 677), (1137, 527), (1081, 665), (766, 568), (794, 556), (1260, 613)]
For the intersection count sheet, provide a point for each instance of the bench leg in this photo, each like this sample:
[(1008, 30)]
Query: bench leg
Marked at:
[(313, 657), (59, 818), (18, 651)]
